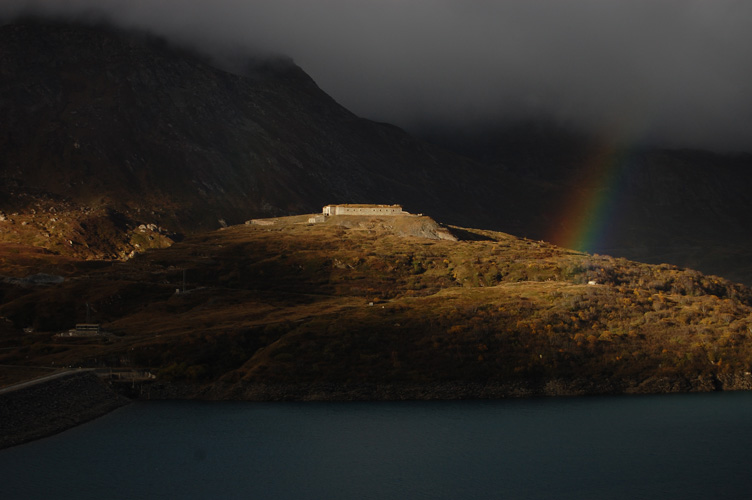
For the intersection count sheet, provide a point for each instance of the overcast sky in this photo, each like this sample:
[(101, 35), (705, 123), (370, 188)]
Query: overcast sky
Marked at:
[(678, 71)]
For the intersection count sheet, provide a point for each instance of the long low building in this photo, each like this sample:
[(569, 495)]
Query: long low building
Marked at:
[(353, 209)]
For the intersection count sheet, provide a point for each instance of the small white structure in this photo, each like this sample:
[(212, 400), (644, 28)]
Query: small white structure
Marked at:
[(83, 330), (352, 209), (316, 219), (87, 329)]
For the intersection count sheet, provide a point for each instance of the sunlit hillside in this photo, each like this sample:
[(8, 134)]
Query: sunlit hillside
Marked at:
[(369, 307)]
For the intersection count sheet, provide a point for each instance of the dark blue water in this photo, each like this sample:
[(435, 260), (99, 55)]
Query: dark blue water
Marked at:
[(661, 447)]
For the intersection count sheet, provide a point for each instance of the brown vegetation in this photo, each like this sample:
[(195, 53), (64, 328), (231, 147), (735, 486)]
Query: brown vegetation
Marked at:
[(327, 304)]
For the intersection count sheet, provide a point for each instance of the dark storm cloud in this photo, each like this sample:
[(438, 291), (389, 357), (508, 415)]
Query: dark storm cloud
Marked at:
[(678, 71)]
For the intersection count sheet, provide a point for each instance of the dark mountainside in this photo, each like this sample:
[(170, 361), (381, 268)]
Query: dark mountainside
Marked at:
[(686, 207), (124, 130), (113, 142)]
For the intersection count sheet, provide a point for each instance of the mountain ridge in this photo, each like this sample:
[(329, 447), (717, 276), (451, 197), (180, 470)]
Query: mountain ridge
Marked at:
[(119, 120), (107, 131)]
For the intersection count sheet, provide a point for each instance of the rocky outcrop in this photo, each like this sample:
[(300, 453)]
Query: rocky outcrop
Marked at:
[(52, 406)]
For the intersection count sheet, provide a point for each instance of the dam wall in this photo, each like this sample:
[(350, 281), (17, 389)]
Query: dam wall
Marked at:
[(53, 405)]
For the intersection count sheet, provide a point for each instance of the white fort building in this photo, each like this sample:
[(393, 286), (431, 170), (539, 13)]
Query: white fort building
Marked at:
[(352, 209)]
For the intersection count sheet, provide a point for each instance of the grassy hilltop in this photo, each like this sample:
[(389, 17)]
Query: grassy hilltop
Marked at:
[(380, 307)]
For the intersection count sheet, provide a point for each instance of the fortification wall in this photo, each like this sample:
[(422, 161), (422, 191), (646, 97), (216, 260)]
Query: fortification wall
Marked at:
[(363, 210)]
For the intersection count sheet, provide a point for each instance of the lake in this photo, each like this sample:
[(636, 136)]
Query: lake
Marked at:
[(662, 447)]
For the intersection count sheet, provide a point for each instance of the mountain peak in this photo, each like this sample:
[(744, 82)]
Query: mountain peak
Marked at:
[(102, 118)]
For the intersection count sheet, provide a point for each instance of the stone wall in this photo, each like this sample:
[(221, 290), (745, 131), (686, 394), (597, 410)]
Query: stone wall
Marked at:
[(53, 406)]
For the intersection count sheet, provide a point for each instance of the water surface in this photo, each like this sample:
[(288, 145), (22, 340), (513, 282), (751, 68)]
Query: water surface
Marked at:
[(670, 446)]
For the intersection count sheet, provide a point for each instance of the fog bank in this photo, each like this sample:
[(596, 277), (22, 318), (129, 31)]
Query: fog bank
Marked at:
[(677, 72)]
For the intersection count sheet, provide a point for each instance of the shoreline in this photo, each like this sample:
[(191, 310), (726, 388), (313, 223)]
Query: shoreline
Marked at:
[(54, 405), (452, 390)]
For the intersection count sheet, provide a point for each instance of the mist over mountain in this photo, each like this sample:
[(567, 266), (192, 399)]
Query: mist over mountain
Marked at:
[(674, 73), (107, 119)]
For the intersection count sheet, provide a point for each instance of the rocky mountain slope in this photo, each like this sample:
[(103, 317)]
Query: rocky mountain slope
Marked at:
[(124, 129)]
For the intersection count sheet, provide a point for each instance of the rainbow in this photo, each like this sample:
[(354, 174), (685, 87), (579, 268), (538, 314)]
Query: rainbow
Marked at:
[(586, 212)]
